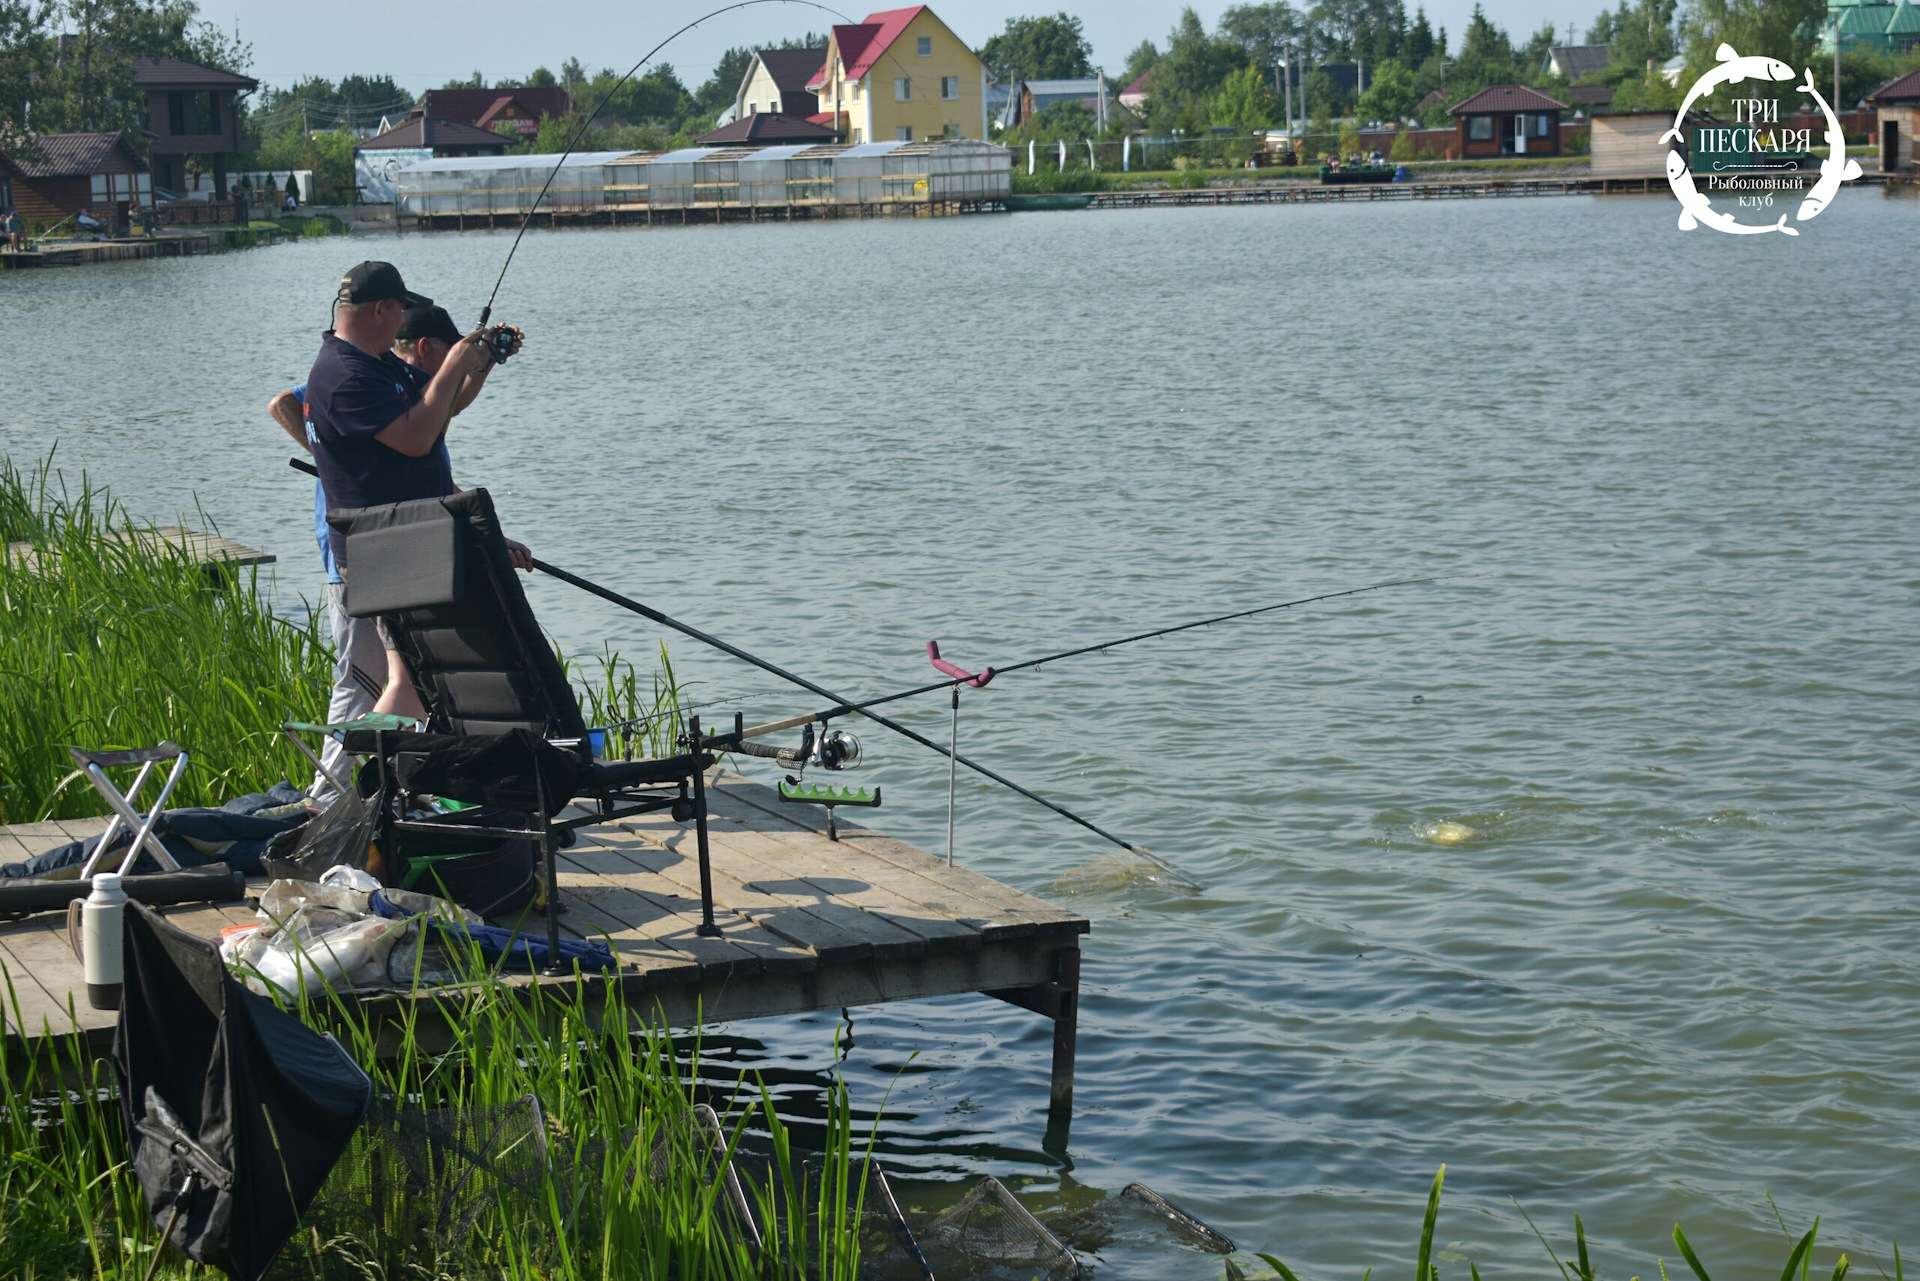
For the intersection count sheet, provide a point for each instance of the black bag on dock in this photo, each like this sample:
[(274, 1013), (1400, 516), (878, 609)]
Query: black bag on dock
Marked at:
[(236, 1111)]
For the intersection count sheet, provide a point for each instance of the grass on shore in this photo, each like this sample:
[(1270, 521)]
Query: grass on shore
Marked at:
[(110, 638), (630, 1189)]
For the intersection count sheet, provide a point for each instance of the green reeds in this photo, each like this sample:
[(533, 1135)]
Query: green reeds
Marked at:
[(1799, 1265), (112, 638), (631, 1187)]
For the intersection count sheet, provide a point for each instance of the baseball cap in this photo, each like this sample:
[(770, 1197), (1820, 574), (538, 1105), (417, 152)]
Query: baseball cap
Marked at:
[(429, 322), (372, 281)]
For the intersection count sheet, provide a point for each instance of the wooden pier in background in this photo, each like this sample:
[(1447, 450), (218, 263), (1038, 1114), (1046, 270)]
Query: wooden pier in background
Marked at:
[(808, 924)]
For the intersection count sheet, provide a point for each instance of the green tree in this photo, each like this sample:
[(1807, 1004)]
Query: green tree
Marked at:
[(1783, 29), (23, 57), (1420, 44), (1194, 66), (1389, 94), (1246, 102), (1263, 30), (1641, 34), (720, 88), (1044, 48), (474, 81), (1139, 62)]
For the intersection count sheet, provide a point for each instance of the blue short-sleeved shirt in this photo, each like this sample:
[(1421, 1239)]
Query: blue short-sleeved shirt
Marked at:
[(351, 398)]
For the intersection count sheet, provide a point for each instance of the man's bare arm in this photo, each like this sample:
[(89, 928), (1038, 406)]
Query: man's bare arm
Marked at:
[(285, 410), (415, 432)]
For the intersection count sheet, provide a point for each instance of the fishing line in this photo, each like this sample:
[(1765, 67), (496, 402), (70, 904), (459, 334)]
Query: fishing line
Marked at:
[(628, 603), (486, 312), (992, 672)]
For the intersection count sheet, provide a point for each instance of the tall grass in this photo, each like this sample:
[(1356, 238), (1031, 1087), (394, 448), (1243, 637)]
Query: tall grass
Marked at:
[(111, 638), (631, 1191)]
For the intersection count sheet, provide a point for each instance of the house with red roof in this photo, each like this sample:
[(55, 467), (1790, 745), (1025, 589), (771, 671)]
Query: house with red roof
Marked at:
[(519, 108), (1508, 120), (901, 74)]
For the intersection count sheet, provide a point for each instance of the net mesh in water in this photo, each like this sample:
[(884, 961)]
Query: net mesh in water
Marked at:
[(990, 1234)]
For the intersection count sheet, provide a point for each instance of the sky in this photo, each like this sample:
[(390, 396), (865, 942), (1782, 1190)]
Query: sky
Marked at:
[(422, 46)]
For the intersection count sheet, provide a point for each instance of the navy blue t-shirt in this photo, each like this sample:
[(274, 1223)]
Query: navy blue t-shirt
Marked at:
[(351, 398)]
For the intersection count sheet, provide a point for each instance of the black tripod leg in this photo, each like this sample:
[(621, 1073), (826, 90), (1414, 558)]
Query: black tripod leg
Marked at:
[(707, 928), (552, 872)]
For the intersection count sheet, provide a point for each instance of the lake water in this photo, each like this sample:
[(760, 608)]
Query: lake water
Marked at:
[(1673, 965)]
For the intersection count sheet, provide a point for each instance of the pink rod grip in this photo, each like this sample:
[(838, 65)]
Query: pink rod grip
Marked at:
[(948, 669)]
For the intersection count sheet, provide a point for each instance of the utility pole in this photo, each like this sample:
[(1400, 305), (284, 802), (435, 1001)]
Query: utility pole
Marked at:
[(1837, 104)]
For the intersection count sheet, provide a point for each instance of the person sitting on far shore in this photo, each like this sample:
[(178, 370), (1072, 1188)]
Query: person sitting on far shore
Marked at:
[(376, 426)]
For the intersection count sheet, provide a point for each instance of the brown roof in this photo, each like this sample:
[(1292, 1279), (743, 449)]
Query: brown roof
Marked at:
[(430, 131), (1434, 99), (1497, 98), (470, 104), (177, 73), (767, 128), (792, 69), (1905, 89), (73, 155)]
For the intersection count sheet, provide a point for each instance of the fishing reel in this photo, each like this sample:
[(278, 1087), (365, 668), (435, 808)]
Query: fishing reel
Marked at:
[(834, 750), (501, 341)]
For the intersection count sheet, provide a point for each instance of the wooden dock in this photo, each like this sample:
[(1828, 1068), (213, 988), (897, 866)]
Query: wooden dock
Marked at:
[(218, 556), (809, 924)]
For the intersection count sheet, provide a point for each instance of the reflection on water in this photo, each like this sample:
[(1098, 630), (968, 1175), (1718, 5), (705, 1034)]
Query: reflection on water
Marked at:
[(1673, 963)]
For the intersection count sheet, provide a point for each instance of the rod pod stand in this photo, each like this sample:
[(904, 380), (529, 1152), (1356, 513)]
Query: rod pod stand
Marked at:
[(706, 928)]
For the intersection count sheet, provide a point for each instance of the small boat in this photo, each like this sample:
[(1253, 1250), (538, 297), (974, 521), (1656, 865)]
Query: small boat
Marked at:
[(1331, 175)]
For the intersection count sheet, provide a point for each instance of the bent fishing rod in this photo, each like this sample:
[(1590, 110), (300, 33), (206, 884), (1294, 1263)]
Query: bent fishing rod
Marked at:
[(645, 611), (486, 312)]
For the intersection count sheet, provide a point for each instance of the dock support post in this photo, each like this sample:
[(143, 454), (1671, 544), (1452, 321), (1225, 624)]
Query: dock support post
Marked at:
[(1059, 1001), (1066, 1023)]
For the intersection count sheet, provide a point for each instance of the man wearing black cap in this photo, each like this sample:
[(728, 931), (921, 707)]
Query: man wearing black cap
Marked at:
[(376, 426)]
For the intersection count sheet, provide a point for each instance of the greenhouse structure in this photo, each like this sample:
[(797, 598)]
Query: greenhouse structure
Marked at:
[(706, 184)]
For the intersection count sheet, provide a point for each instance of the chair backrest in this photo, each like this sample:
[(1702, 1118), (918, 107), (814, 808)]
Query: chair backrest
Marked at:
[(437, 570)]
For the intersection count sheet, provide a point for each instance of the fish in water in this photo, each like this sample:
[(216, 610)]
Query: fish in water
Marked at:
[(1450, 833), (1696, 208), (1732, 70), (1836, 168)]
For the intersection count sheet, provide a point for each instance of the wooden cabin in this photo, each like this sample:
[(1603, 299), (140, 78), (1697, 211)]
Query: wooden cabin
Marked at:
[(1626, 144), (99, 174), (1896, 107), (1508, 120), (192, 111)]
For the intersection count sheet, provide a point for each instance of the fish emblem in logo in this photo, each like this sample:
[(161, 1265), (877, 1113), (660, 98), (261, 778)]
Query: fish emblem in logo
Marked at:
[(1836, 168), (1732, 70), (1696, 209)]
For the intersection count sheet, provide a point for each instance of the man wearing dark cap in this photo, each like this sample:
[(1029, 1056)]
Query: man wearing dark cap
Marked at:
[(376, 426)]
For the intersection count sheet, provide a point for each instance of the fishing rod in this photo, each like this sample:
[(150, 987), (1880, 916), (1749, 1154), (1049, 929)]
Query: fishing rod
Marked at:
[(486, 312), (647, 612), (980, 680)]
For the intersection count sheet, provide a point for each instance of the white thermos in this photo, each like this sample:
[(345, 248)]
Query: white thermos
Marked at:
[(101, 939)]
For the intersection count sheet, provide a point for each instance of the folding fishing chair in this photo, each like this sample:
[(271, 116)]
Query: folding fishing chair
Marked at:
[(504, 730), (95, 766)]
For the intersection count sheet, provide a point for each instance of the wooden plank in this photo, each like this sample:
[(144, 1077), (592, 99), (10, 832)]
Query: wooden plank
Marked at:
[(45, 955), (831, 930), (998, 910), (761, 949), (814, 870), (36, 1002), (601, 897)]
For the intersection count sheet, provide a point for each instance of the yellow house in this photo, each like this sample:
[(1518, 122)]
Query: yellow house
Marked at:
[(902, 74)]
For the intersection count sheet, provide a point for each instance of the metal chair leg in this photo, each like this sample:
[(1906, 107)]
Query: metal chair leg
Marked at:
[(707, 928)]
